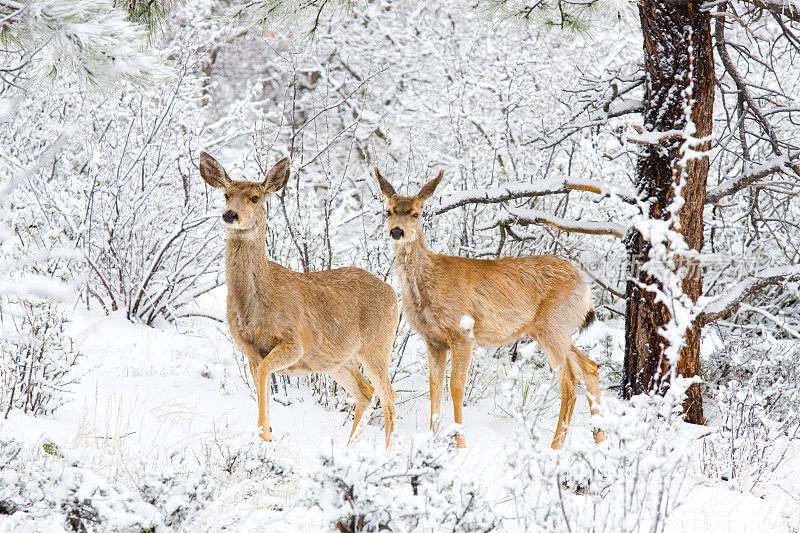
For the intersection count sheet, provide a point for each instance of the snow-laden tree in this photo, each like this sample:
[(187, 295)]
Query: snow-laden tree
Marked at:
[(92, 42)]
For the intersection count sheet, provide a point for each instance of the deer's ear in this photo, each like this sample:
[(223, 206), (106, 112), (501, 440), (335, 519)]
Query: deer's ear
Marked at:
[(386, 187), (429, 188), (212, 172), (277, 176)]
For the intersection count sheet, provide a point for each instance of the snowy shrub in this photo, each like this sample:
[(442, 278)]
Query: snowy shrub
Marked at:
[(37, 357), (757, 398), (182, 488), (631, 482), (48, 486), (249, 458), (117, 188), (65, 494), (176, 492), (364, 490), (148, 241)]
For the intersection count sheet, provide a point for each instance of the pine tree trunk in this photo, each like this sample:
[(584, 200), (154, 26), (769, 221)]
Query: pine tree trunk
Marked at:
[(675, 35)]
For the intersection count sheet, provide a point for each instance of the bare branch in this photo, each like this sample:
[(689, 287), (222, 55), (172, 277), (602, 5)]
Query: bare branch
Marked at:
[(339, 103), (598, 110), (741, 85), (201, 314)]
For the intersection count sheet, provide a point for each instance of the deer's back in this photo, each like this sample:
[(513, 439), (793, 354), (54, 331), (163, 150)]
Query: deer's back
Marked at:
[(503, 296)]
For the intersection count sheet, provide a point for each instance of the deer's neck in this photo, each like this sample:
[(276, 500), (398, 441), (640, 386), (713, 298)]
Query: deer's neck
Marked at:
[(246, 265), (413, 263)]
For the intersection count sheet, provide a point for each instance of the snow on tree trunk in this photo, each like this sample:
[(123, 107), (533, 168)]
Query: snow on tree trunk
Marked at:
[(677, 44)]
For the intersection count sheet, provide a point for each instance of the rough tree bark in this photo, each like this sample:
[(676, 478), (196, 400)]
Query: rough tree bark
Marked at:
[(677, 36)]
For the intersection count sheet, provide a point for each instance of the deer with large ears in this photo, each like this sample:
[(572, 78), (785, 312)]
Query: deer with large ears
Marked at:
[(297, 323), (455, 301)]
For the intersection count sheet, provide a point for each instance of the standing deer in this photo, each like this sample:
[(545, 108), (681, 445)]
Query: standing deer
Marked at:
[(294, 323), (451, 300)]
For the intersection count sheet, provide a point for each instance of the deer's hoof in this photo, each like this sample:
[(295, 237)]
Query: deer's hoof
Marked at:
[(599, 436)]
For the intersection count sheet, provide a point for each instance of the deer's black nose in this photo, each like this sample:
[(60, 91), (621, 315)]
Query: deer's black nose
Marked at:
[(396, 233), (229, 216)]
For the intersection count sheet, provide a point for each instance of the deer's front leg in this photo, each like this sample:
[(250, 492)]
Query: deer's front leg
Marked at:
[(282, 356), (437, 365), (461, 350)]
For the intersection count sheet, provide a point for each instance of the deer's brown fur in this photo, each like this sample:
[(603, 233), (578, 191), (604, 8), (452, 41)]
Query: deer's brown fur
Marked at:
[(541, 296), (297, 323)]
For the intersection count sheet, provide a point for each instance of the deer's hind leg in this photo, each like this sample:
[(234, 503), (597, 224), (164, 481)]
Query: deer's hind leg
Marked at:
[(376, 360), (559, 354), (353, 381), (588, 371)]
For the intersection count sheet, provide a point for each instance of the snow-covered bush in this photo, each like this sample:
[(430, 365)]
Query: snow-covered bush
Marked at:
[(77, 46), (147, 236), (361, 489), (631, 482), (184, 488), (38, 358), (176, 491), (65, 494), (53, 486), (111, 177), (757, 419)]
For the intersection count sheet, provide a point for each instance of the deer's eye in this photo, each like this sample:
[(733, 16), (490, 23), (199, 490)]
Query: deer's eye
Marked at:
[(254, 199), (415, 215), (388, 213)]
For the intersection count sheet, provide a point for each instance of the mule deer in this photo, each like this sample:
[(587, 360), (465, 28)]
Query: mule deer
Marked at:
[(294, 323), (451, 301)]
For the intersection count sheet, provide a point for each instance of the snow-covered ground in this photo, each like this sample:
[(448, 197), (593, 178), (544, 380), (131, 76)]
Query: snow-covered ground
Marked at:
[(147, 395)]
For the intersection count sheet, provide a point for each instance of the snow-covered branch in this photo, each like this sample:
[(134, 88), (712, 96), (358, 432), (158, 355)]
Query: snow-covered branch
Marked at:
[(602, 100), (742, 86), (306, 15), (787, 8), (92, 40), (782, 163), (535, 216), (727, 303), (513, 191)]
